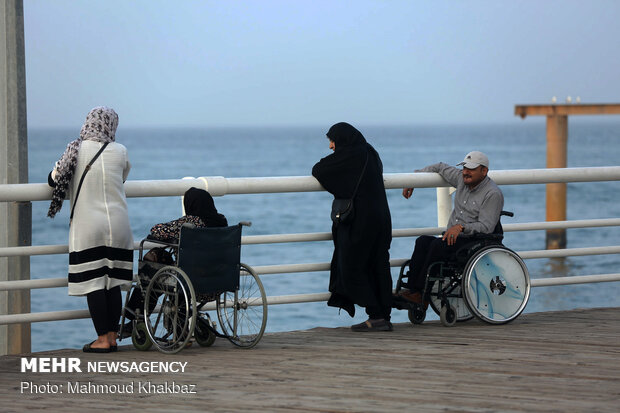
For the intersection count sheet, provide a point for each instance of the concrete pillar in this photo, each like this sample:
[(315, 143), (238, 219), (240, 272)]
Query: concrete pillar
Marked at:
[(15, 217), (557, 140)]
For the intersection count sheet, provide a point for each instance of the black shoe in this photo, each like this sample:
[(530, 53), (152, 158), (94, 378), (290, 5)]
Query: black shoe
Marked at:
[(373, 325)]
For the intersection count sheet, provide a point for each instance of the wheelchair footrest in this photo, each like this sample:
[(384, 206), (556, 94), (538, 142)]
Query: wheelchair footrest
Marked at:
[(401, 303)]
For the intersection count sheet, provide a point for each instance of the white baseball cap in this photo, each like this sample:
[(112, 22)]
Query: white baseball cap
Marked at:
[(474, 159)]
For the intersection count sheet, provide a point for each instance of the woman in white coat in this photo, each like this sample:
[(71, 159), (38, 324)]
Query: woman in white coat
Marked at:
[(92, 171)]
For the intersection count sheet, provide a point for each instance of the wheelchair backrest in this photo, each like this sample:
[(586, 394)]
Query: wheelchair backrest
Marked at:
[(498, 228), (210, 257)]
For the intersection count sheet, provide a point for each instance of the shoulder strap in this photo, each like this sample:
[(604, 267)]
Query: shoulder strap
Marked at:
[(77, 194), (361, 175)]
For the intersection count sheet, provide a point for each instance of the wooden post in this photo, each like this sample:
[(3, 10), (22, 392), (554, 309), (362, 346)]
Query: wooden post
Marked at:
[(557, 139), (15, 217)]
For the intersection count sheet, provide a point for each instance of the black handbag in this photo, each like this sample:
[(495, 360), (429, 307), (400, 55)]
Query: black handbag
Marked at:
[(342, 208)]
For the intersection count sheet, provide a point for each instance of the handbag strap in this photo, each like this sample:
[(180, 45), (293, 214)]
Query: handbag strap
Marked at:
[(361, 176), (77, 194)]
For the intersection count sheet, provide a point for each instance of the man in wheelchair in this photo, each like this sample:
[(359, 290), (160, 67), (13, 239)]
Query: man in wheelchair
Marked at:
[(478, 203)]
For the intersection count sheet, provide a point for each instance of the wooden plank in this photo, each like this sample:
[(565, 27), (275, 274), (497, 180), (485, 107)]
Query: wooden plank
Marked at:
[(557, 361), (568, 109)]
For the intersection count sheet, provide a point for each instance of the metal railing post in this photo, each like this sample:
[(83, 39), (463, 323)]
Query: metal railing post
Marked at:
[(444, 206)]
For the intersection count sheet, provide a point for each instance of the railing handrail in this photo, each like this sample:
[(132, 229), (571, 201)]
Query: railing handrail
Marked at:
[(327, 236), (324, 266), (218, 185), (287, 299)]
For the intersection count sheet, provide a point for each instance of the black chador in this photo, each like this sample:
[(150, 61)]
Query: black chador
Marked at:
[(360, 269)]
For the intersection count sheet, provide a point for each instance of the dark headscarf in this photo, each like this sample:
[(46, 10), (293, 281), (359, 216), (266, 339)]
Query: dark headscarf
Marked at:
[(345, 135), (340, 171), (199, 202)]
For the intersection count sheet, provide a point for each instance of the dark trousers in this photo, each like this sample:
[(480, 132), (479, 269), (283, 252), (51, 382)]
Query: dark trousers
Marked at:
[(381, 284), (378, 312), (105, 309), (428, 250)]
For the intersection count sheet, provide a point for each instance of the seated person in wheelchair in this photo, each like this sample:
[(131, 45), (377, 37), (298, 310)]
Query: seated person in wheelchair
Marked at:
[(478, 203), (200, 211)]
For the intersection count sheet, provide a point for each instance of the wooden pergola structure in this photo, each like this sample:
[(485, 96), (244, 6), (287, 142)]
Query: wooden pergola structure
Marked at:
[(557, 139)]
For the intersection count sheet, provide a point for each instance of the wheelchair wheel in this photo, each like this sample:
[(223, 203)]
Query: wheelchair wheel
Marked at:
[(171, 296), (448, 315), (140, 337), (456, 303), (243, 313), (496, 285), (203, 333), (416, 315)]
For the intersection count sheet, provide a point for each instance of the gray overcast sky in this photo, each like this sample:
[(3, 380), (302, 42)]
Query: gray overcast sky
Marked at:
[(220, 63)]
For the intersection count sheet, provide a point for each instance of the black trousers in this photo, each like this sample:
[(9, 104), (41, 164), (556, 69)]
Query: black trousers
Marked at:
[(105, 309), (381, 284), (428, 250)]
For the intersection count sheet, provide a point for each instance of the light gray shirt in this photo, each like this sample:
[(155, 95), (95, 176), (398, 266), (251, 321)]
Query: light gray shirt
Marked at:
[(476, 209)]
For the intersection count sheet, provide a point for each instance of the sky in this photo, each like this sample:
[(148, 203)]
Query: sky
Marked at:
[(293, 63)]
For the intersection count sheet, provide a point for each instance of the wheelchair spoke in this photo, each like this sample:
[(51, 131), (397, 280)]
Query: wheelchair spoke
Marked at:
[(243, 314)]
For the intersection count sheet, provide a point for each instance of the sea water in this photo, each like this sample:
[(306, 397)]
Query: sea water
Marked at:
[(292, 151)]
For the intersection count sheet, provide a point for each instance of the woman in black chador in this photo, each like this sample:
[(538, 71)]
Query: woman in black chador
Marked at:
[(360, 267)]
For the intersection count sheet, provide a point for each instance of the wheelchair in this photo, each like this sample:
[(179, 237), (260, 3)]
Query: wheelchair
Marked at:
[(482, 279), (206, 273)]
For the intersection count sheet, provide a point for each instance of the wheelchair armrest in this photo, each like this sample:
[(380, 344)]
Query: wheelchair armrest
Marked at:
[(172, 242), (479, 236), (476, 241)]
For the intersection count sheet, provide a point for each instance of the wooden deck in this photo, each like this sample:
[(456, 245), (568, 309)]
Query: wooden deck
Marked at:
[(556, 362)]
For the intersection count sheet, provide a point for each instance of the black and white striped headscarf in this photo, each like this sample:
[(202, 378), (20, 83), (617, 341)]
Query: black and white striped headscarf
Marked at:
[(100, 126)]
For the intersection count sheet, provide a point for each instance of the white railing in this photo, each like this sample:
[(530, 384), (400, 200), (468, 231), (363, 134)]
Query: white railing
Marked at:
[(219, 186)]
